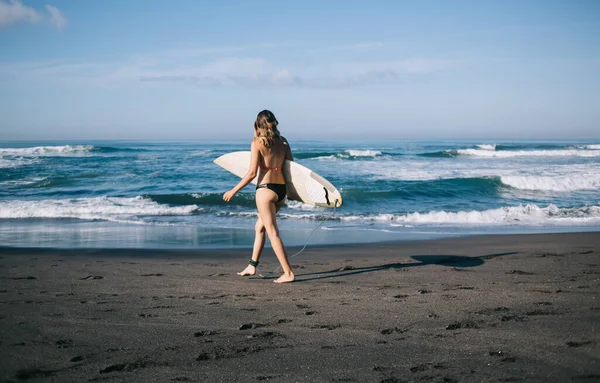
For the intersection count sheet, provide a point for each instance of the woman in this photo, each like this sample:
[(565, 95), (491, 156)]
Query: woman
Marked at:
[(268, 153)]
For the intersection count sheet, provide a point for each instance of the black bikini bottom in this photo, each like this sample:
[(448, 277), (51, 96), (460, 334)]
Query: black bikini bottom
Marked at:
[(279, 189)]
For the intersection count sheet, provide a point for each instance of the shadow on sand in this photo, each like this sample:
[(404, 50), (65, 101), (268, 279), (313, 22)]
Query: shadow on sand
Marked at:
[(422, 260)]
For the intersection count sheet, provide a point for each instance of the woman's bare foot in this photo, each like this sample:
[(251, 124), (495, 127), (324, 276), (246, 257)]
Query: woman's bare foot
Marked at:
[(249, 270), (285, 278)]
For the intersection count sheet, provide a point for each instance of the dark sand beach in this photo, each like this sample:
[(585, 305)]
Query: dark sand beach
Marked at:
[(474, 309)]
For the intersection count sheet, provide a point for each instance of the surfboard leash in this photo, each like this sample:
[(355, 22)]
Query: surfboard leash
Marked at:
[(306, 240)]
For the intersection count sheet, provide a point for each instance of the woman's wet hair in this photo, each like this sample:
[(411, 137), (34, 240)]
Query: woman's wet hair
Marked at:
[(265, 127)]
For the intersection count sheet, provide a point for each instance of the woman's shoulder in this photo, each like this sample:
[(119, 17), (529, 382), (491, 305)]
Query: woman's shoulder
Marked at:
[(257, 141)]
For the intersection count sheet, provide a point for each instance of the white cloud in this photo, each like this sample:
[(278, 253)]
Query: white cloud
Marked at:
[(360, 47), (284, 77), (351, 49), (245, 72), (13, 11), (213, 67), (406, 66), (186, 53), (56, 17), (332, 75)]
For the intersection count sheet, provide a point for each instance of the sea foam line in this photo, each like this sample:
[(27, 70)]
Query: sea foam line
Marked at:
[(349, 153), (526, 153), (36, 151), (98, 208), (487, 146), (363, 153), (521, 215), (558, 184), (24, 182), (11, 163), (527, 215)]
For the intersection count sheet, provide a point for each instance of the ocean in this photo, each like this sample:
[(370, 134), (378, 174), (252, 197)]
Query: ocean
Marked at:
[(126, 194)]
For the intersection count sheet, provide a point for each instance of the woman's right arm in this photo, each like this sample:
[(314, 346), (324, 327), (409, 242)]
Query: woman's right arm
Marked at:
[(250, 175), (288, 152)]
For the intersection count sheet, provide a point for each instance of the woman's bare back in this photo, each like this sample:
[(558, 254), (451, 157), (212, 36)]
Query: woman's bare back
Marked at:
[(271, 161)]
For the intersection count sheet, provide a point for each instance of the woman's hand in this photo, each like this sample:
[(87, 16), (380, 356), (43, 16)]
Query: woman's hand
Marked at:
[(229, 195)]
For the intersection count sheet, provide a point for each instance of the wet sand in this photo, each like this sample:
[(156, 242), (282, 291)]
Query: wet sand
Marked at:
[(474, 309)]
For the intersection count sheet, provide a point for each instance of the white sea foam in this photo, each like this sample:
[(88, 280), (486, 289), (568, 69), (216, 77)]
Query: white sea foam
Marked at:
[(487, 146), (527, 153), (297, 205), (328, 158), (201, 153), (522, 215), (12, 162), (543, 175), (300, 216), (100, 208), (593, 147), (363, 153), (28, 181), (240, 214), (284, 214), (409, 170), (349, 153), (37, 151), (528, 215), (558, 184)]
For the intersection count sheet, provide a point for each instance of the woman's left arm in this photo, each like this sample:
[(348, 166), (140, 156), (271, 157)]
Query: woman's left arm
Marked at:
[(252, 170)]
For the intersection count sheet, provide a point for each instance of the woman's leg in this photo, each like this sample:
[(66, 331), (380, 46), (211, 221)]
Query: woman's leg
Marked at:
[(267, 208), (259, 244)]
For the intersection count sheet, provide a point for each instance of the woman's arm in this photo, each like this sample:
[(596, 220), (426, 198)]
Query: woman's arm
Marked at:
[(288, 153), (252, 170)]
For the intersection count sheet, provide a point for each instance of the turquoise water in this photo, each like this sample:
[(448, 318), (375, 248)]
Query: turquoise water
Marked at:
[(169, 194)]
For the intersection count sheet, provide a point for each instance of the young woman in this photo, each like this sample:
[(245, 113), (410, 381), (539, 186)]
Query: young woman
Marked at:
[(268, 152)]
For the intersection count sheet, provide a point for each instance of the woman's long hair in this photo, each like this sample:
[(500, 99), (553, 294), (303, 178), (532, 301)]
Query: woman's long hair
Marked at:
[(265, 128)]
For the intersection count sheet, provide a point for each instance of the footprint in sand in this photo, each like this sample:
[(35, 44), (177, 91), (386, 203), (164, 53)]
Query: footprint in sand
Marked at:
[(92, 277), (250, 326), (579, 344), (519, 272), (462, 324), (64, 343), (397, 330), (327, 326), (205, 333)]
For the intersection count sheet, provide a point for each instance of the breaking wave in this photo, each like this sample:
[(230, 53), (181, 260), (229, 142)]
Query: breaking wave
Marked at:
[(100, 208), (346, 154), (558, 184), (525, 153), (37, 151), (529, 215)]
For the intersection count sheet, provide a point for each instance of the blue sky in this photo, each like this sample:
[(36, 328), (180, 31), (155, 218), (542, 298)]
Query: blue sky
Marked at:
[(157, 69)]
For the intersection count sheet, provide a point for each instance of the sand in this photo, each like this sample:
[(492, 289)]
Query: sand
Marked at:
[(473, 309)]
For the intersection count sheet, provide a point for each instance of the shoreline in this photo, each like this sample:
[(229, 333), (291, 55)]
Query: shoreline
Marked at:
[(111, 235), (468, 309), (207, 253)]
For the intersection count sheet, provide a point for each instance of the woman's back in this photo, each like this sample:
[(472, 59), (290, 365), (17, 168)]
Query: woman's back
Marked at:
[(272, 159)]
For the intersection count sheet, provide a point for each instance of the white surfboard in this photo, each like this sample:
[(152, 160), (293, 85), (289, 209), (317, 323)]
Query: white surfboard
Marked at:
[(302, 184)]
